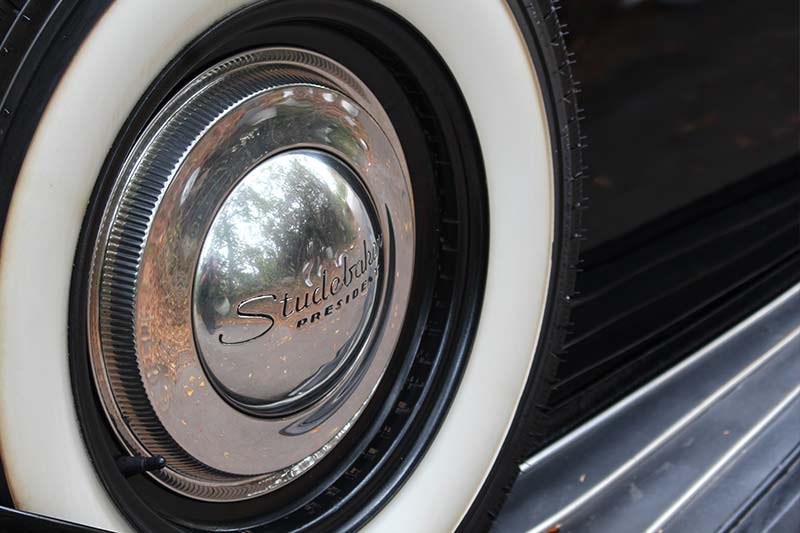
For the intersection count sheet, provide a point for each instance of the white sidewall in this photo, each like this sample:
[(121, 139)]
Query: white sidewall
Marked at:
[(481, 44), (44, 456)]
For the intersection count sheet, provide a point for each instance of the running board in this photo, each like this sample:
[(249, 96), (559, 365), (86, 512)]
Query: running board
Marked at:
[(687, 452)]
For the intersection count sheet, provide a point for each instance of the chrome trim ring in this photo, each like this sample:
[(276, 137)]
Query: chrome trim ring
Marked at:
[(180, 364)]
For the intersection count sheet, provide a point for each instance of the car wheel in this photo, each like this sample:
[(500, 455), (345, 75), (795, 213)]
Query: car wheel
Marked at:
[(283, 265)]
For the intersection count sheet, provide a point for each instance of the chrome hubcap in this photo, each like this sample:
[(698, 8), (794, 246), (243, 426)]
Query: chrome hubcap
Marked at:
[(284, 289), (252, 274)]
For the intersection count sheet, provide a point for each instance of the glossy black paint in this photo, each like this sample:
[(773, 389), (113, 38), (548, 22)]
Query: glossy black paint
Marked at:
[(682, 99), (693, 127)]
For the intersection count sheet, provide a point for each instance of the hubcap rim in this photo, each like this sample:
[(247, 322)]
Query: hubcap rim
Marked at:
[(186, 362)]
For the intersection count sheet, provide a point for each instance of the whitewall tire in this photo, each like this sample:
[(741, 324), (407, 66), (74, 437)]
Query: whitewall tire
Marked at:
[(523, 131)]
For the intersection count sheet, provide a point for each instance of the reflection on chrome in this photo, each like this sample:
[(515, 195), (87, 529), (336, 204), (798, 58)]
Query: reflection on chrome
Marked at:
[(284, 286)]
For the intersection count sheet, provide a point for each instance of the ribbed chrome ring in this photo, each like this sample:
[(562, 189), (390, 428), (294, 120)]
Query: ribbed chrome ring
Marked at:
[(251, 274)]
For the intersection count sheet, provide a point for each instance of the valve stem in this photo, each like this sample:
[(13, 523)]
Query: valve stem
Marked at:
[(130, 465)]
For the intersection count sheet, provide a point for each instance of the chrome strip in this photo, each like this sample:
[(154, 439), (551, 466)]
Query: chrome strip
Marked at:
[(680, 368), (658, 524), (653, 448), (665, 436)]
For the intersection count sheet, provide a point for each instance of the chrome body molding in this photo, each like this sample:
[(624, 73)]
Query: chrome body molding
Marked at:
[(252, 273), (670, 450)]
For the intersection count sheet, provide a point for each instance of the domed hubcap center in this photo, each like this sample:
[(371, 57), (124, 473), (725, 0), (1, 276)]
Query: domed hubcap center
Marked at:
[(284, 291)]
